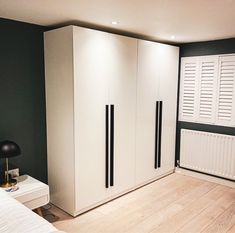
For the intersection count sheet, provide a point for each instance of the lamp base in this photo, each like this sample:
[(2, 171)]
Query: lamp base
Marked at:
[(8, 184)]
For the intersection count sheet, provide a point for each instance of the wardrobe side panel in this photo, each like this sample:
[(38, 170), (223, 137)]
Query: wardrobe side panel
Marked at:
[(60, 121)]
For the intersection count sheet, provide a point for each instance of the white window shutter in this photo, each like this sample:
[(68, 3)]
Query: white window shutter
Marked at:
[(208, 66), (226, 91), (188, 86)]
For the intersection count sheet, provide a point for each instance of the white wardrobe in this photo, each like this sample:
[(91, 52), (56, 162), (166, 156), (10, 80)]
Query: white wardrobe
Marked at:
[(156, 109), (111, 114)]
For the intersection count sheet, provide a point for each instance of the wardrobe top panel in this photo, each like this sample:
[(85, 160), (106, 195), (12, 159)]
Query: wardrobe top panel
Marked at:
[(80, 27)]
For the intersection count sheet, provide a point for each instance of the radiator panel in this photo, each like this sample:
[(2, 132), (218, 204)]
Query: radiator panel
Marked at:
[(208, 152)]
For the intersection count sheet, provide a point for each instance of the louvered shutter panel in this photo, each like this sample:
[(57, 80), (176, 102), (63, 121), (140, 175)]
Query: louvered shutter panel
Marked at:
[(208, 67), (188, 93), (226, 91)]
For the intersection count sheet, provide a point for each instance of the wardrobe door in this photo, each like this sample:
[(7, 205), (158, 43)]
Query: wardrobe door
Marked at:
[(122, 98), (93, 61), (146, 118), (168, 97)]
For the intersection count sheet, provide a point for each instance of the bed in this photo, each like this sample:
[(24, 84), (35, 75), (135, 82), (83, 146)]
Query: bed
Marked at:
[(16, 218)]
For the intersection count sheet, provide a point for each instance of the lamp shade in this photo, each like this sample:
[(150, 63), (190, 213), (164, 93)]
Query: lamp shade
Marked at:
[(9, 149)]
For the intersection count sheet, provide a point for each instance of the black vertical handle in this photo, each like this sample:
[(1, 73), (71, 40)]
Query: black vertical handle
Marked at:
[(112, 146), (156, 136), (160, 134), (107, 146)]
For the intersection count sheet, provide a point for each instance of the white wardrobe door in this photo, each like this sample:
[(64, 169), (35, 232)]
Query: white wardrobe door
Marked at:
[(168, 96), (189, 88), (122, 95), (208, 66), (226, 91), (147, 95), (93, 59)]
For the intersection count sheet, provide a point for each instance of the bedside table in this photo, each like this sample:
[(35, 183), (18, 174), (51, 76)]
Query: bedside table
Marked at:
[(32, 193)]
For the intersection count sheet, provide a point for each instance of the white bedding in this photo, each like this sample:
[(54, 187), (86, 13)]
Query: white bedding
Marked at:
[(16, 218)]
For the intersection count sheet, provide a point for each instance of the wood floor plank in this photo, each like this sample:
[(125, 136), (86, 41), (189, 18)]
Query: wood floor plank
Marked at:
[(174, 223), (121, 219), (161, 215), (231, 229), (223, 222), (174, 203), (164, 185), (206, 217)]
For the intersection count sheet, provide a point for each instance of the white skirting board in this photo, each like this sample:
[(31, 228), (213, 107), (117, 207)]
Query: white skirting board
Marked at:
[(205, 177), (209, 153)]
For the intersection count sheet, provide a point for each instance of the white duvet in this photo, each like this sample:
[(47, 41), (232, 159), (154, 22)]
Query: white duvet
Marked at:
[(16, 218)]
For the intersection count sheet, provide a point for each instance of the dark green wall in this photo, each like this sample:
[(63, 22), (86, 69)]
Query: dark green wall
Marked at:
[(199, 49), (22, 95), (208, 48)]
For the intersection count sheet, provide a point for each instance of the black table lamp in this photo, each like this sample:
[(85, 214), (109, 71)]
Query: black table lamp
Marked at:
[(8, 149)]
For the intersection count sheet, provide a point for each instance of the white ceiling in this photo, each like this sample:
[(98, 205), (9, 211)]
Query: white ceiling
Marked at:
[(187, 20)]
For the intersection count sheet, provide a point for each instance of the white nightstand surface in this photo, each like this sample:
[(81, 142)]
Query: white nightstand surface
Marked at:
[(32, 193)]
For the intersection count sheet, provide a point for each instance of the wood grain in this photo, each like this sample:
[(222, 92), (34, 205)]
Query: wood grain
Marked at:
[(175, 203)]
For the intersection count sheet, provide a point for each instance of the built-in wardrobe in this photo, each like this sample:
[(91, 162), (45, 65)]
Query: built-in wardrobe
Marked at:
[(111, 114)]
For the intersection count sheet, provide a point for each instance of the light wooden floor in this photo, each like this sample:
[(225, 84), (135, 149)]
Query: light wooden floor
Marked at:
[(176, 203)]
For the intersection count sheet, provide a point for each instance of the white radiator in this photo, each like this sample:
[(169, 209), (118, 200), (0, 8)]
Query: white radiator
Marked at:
[(208, 152)]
